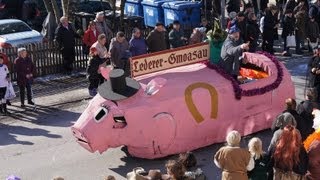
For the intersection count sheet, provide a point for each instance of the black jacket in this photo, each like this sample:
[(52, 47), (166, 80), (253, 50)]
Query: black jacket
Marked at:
[(253, 31), (93, 67), (314, 79), (288, 26), (65, 37), (270, 21), (315, 12), (302, 124)]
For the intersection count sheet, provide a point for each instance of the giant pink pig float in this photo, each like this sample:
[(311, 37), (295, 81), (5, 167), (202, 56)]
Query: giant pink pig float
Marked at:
[(182, 109)]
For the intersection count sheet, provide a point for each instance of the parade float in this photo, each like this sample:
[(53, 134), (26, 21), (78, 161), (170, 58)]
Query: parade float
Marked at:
[(176, 101)]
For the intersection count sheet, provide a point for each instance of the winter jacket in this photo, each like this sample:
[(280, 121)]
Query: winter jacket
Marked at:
[(90, 37), (175, 38), (118, 53), (314, 11), (288, 27), (300, 25), (269, 24), (65, 37), (101, 49), (302, 124), (252, 35), (290, 5), (230, 54), (156, 41), (23, 66), (93, 67), (233, 5), (259, 172), (103, 28), (312, 31), (137, 46), (304, 109)]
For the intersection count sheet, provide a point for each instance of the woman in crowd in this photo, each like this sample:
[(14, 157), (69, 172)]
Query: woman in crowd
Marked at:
[(270, 28), (137, 44), (312, 33), (189, 162), (261, 160), (314, 76), (233, 160), (300, 34), (289, 158), (93, 71), (288, 30), (4, 79), (25, 70), (100, 45), (90, 37)]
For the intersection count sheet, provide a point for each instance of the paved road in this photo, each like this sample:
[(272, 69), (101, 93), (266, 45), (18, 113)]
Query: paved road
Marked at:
[(38, 145)]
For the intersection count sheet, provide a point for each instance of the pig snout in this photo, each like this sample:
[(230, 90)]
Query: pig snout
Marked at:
[(81, 139)]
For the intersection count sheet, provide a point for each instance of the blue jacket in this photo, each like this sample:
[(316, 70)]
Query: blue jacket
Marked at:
[(137, 46)]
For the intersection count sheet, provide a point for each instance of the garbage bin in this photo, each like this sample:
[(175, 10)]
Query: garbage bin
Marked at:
[(133, 8), (186, 12), (153, 12)]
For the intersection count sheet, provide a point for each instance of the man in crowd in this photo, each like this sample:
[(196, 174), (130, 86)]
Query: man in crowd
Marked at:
[(314, 11), (231, 52), (100, 45), (102, 27), (176, 36), (119, 48), (65, 37), (156, 40), (137, 43)]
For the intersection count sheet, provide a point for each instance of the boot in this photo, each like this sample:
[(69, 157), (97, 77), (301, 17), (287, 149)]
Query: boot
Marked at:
[(1, 110), (5, 111)]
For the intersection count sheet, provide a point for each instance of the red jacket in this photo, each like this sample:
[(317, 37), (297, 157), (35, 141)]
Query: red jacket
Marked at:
[(89, 38), (23, 67), (5, 60)]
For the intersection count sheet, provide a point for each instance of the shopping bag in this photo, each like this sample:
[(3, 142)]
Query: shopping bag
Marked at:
[(10, 94), (291, 41)]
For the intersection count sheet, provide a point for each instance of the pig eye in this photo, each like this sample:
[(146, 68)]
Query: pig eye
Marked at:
[(101, 113)]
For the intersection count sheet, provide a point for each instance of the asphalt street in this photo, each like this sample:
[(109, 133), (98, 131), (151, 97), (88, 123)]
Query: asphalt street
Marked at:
[(38, 145)]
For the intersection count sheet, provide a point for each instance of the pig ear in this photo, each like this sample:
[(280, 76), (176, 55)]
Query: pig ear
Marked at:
[(160, 82), (105, 72)]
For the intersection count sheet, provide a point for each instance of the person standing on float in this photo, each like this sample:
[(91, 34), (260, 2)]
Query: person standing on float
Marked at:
[(231, 52)]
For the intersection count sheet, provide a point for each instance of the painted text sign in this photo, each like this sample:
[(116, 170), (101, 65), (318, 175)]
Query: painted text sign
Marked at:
[(168, 59)]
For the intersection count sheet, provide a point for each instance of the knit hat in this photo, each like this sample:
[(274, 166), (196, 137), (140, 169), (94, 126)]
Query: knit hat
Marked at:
[(21, 49), (232, 15), (234, 29)]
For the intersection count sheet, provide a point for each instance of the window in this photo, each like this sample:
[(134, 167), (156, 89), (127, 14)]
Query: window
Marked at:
[(16, 27)]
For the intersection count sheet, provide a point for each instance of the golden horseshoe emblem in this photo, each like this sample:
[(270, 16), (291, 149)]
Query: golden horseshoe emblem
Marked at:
[(192, 107)]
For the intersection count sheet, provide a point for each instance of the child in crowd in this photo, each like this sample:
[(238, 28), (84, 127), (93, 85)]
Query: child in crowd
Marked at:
[(25, 70), (189, 162), (93, 72), (6, 62), (261, 160), (4, 79), (175, 170)]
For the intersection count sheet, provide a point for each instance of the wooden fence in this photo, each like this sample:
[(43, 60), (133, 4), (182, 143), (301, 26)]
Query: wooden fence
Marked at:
[(47, 58)]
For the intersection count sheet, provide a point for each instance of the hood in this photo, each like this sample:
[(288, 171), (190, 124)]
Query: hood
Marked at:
[(21, 37)]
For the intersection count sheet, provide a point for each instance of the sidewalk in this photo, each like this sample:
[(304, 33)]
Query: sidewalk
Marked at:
[(50, 93)]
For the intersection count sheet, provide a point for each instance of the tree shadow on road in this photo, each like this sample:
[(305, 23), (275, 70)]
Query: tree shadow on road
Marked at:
[(45, 115), (9, 134)]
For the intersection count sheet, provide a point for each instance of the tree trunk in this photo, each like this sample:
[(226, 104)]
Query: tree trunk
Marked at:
[(113, 4), (47, 4), (121, 28), (56, 11), (65, 6)]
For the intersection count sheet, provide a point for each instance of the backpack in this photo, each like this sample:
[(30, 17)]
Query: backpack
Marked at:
[(260, 170)]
